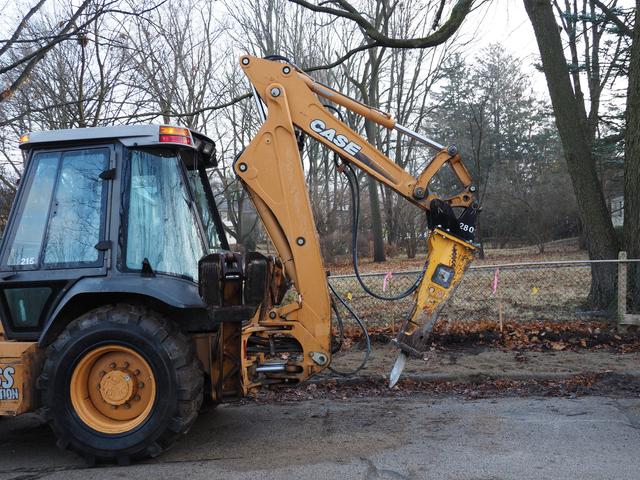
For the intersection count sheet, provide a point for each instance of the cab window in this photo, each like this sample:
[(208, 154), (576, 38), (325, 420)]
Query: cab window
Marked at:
[(27, 241), (75, 224), (62, 218), (197, 179), (161, 217)]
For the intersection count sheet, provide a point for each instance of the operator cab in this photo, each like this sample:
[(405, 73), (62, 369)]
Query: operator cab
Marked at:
[(99, 208)]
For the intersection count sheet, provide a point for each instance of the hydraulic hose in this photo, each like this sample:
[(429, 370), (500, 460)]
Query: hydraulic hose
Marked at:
[(335, 349), (362, 327), (355, 221), (354, 187)]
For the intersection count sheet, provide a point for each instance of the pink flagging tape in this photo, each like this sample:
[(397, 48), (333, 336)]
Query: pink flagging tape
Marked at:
[(496, 280), (386, 280)]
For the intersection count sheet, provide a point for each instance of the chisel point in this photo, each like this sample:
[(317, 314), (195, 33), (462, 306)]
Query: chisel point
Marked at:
[(397, 369)]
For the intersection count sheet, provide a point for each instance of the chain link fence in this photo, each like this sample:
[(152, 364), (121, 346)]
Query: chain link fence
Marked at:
[(546, 291)]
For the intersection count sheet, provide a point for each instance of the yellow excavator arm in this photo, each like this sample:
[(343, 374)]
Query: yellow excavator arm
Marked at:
[(271, 170)]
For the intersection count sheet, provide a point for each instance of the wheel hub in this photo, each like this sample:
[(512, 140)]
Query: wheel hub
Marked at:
[(113, 389), (117, 387)]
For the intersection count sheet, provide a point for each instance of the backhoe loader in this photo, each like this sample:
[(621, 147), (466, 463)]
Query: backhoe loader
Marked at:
[(122, 305)]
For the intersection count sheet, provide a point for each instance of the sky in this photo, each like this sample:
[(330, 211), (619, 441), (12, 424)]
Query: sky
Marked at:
[(496, 21), (506, 22)]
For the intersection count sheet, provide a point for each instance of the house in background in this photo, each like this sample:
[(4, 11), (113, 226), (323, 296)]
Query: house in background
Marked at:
[(617, 211)]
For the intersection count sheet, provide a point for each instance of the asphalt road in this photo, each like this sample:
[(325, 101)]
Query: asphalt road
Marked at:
[(373, 438)]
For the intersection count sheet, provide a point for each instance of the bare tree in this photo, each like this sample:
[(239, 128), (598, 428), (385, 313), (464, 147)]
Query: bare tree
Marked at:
[(33, 49), (26, 47), (175, 58), (626, 21), (576, 134), (84, 80), (233, 129), (379, 35)]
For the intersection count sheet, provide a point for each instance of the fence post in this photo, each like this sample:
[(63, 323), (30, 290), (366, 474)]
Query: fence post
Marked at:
[(622, 287), (624, 319)]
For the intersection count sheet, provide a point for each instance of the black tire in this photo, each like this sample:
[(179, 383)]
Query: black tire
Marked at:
[(169, 353)]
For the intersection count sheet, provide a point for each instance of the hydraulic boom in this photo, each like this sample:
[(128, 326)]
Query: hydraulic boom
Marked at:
[(270, 169)]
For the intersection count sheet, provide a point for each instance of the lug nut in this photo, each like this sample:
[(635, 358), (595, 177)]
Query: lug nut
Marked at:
[(140, 384), (103, 373), (137, 372), (127, 406), (126, 365), (275, 92), (112, 366), (114, 407), (137, 398)]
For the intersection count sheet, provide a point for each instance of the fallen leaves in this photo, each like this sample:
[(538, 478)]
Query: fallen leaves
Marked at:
[(574, 386), (534, 336)]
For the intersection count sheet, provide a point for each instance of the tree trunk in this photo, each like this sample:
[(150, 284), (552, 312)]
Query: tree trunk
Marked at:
[(572, 127), (478, 239), (412, 247), (376, 217), (390, 218), (632, 168), (376, 221)]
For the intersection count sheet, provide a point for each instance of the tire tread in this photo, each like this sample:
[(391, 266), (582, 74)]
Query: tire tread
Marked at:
[(178, 347)]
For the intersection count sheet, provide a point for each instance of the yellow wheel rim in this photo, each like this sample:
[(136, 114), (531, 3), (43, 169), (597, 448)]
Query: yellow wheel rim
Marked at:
[(113, 389)]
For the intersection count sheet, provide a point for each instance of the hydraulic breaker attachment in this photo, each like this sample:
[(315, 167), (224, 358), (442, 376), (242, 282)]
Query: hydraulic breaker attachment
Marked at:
[(448, 259)]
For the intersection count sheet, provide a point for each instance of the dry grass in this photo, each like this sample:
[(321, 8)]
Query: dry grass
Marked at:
[(567, 249), (541, 293)]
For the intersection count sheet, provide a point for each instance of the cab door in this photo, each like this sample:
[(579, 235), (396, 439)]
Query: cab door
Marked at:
[(55, 234)]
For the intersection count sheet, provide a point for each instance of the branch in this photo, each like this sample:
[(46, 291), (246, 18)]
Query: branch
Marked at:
[(13, 165), (213, 108), (70, 29), (29, 111), (446, 31), (624, 28), (172, 113), (20, 27), (8, 184), (62, 35), (436, 21), (343, 58)]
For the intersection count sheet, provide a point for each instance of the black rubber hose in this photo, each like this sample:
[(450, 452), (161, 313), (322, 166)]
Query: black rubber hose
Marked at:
[(354, 186), (335, 349), (355, 221), (364, 332)]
